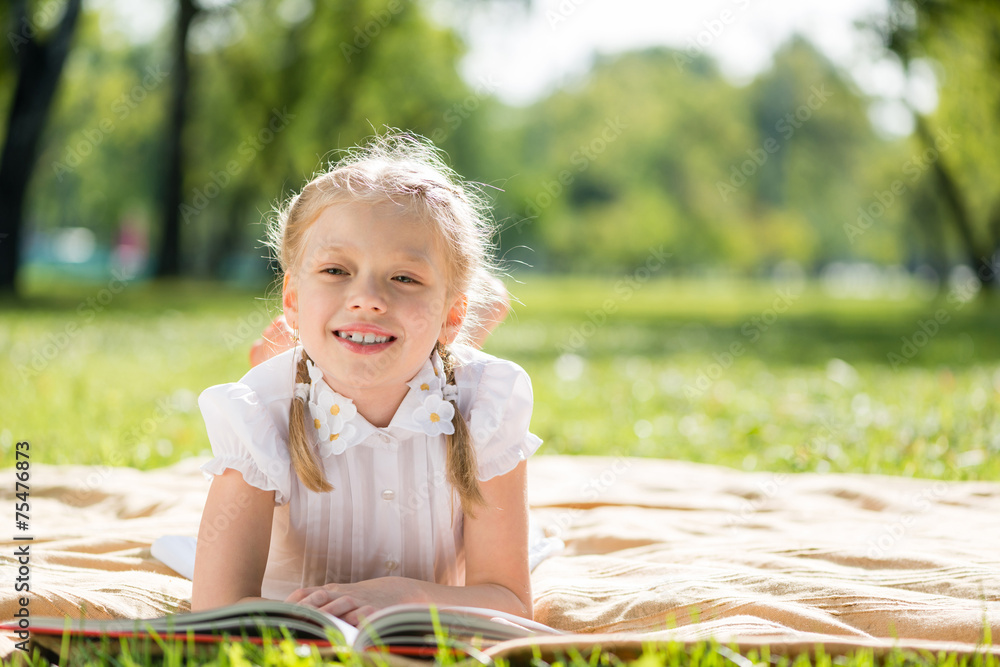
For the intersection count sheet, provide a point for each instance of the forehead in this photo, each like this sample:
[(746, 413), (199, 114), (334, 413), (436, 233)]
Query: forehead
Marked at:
[(385, 229)]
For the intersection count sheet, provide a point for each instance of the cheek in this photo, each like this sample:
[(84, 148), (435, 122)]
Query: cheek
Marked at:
[(428, 317), (314, 308)]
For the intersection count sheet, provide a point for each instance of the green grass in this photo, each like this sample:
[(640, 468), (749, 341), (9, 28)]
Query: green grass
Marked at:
[(647, 373), (99, 374), (684, 370), (286, 653)]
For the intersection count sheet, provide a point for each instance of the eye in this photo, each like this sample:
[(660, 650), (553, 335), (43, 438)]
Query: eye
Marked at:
[(334, 271), (406, 280)]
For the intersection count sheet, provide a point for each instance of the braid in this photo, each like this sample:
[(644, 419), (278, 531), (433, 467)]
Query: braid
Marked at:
[(300, 446), (462, 466)]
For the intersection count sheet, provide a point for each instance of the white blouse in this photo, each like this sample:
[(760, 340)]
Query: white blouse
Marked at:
[(392, 511)]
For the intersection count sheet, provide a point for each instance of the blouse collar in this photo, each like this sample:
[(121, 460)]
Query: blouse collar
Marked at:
[(337, 426)]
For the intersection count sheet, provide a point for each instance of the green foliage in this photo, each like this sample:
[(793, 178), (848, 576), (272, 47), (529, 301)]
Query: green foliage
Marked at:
[(642, 152), (956, 42), (99, 156), (274, 95), (620, 164), (340, 71), (968, 53), (821, 130)]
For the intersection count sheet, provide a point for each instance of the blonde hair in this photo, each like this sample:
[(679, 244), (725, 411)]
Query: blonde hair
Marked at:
[(408, 171)]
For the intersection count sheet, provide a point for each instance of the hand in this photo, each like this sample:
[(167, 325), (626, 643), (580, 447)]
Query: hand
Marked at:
[(277, 338), (353, 602)]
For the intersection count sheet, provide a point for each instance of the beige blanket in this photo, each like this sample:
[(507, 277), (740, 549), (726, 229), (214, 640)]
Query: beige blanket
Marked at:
[(659, 548)]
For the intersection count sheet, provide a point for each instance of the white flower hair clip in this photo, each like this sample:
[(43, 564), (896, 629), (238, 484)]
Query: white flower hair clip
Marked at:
[(331, 415), (315, 372), (435, 415)]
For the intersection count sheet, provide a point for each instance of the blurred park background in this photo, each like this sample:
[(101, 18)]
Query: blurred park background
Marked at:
[(733, 237)]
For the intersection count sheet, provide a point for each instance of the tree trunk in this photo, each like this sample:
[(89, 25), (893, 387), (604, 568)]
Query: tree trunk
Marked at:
[(39, 66), (977, 256), (169, 253)]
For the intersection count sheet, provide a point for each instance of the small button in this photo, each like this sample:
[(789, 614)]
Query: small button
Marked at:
[(388, 494), (391, 565), (383, 437)]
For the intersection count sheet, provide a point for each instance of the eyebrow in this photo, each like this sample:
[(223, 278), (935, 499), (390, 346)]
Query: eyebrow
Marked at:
[(413, 257)]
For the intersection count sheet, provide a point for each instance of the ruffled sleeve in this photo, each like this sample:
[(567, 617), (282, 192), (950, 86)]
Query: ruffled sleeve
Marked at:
[(244, 437), (499, 418)]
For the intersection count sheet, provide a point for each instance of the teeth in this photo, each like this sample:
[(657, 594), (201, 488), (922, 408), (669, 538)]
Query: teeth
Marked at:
[(364, 339)]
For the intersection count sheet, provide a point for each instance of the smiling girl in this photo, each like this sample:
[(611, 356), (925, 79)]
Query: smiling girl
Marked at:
[(380, 460)]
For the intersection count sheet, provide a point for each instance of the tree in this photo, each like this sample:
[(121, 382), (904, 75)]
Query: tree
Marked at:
[(963, 38), (657, 148), (815, 146), (39, 64), (168, 262), (275, 101)]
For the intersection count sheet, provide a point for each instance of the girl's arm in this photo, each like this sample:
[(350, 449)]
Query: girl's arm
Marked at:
[(496, 564), (496, 544), (233, 541)]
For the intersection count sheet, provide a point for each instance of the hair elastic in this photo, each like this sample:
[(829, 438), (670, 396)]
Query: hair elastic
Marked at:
[(302, 391)]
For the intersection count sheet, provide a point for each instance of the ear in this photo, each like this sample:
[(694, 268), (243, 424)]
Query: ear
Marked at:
[(290, 301), (454, 320)]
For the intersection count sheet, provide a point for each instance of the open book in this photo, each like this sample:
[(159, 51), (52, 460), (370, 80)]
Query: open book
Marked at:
[(408, 629)]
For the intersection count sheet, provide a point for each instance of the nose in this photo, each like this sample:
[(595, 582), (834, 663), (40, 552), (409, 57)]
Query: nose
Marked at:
[(367, 296)]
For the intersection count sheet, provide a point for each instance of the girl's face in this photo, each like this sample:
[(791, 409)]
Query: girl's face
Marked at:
[(370, 297)]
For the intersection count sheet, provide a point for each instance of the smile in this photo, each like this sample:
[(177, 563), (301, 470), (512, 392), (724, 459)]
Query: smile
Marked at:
[(363, 338)]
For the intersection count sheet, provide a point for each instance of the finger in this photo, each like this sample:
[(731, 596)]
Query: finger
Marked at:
[(297, 595), (341, 606), (316, 598), (359, 615)]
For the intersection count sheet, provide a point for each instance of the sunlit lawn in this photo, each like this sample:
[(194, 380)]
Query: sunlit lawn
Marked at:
[(748, 375)]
